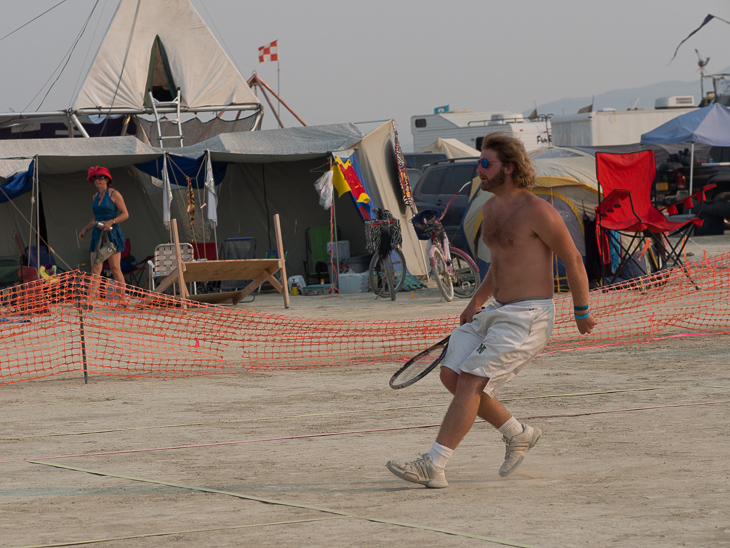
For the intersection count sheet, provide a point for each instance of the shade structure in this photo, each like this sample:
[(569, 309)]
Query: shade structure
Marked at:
[(708, 126)]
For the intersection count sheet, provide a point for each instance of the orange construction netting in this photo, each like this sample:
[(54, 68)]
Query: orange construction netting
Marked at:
[(74, 322)]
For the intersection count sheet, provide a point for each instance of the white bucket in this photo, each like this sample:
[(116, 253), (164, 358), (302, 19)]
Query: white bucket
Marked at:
[(296, 280)]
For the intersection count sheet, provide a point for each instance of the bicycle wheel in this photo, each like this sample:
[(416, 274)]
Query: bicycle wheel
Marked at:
[(398, 271), (381, 276), (388, 269), (442, 276), (466, 273)]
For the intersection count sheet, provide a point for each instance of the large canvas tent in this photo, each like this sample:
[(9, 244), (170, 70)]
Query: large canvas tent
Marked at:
[(267, 172), (453, 148), (152, 49), (160, 45)]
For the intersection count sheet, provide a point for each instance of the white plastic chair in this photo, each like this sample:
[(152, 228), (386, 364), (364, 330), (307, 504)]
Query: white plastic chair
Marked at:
[(164, 261)]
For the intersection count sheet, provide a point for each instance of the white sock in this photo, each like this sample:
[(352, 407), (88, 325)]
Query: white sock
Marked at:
[(511, 428), (440, 455)]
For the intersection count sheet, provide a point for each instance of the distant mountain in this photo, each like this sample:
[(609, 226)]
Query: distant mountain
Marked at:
[(621, 99)]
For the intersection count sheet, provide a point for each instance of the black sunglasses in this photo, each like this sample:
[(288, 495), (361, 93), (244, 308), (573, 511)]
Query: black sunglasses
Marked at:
[(485, 163)]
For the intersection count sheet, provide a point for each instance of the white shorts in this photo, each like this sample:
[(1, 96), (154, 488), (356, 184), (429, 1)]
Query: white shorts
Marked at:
[(501, 340)]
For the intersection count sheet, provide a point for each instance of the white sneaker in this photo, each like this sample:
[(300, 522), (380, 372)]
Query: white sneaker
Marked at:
[(517, 448), (420, 471)]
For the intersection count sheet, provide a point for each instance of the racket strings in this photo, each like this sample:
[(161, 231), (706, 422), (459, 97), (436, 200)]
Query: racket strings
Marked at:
[(419, 365)]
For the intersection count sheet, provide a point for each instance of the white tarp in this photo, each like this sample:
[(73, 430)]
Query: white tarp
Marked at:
[(275, 145), (120, 75), (67, 155)]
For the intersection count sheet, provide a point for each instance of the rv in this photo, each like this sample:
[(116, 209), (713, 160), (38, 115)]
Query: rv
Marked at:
[(609, 126), (471, 127)]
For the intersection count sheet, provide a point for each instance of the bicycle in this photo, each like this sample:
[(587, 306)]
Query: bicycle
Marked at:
[(387, 269), (459, 273)]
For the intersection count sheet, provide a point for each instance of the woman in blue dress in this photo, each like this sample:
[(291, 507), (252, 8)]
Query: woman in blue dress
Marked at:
[(109, 210)]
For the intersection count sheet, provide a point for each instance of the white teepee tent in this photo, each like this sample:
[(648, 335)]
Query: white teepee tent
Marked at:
[(159, 46)]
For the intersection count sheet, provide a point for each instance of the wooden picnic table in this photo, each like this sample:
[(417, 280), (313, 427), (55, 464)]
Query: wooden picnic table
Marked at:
[(257, 270)]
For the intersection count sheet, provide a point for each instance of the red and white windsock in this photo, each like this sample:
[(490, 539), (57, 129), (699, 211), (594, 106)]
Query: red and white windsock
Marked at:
[(269, 52)]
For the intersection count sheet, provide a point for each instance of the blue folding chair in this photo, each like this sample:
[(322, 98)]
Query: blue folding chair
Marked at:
[(236, 249), (46, 257)]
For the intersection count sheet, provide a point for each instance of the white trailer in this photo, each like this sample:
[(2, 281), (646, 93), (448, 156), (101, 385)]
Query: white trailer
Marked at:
[(609, 126), (470, 127)]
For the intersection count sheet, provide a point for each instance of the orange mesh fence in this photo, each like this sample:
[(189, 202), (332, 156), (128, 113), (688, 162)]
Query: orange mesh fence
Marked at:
[(75, 322)]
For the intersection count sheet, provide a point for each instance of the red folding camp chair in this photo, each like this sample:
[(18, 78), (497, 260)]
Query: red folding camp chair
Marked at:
[(640, 229), (205, 250)]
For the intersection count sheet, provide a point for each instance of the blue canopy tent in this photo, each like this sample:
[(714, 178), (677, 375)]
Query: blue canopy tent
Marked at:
[(182, 171), (17, 184), (708, 126)]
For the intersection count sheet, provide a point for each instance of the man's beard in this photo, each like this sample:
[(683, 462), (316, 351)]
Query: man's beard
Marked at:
[(497, 181)]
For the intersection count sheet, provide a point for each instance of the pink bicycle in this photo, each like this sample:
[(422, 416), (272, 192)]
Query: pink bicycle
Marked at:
[(454, 270)]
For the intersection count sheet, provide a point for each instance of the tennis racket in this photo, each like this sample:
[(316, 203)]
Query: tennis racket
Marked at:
[(419, 365)]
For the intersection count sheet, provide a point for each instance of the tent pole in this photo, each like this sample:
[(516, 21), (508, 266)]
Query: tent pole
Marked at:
[(30, 222), (257, 81), (273, 110), (38, 218), (215, 237), (336, 249), (691, 167), (425, 262), (80, 127)]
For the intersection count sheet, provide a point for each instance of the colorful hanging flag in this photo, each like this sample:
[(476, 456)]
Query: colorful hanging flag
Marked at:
[(405, 182), (338, 180), (270, 52), (350, 170)]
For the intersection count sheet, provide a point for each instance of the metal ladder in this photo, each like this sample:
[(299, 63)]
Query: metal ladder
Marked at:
[(174, 103)]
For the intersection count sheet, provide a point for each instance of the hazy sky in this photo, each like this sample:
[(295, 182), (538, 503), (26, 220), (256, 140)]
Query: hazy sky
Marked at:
[(345, 61)]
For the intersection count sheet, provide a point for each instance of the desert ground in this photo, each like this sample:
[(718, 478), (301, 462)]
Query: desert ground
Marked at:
[(634, 451)]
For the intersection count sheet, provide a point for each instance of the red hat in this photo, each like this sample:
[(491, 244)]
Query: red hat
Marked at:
[(98, 170)]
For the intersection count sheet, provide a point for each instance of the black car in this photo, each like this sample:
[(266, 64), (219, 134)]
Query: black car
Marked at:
[(438, 184), (672, 184), (673, 177), (418, 160)]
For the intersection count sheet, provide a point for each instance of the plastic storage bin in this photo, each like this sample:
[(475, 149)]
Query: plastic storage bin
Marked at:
[(316, 289), (353, 282), (343, 250), (358, 263)]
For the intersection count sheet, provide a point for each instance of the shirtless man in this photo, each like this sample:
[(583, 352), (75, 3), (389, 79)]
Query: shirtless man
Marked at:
[(494, 343)]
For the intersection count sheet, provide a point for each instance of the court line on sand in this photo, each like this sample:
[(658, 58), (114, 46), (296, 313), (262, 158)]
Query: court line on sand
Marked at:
[(350, 432), (348, 412), (184, 532), (287, 504)]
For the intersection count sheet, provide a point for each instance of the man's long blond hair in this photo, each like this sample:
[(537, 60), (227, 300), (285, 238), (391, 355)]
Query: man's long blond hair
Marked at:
[(511, 150)]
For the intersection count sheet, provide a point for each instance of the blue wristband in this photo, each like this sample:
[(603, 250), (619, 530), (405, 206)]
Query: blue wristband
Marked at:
[(583, 317), (580, 308)]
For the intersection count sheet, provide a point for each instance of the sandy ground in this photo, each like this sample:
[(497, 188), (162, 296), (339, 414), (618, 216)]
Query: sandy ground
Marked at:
[(634, 451)]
